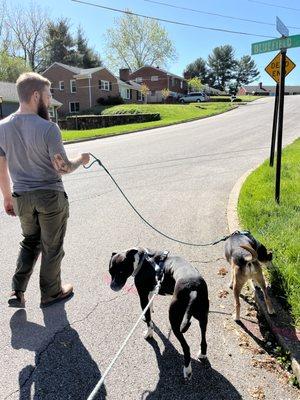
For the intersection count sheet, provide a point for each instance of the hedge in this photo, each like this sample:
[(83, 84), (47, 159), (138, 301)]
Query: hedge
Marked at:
[(83, 122)]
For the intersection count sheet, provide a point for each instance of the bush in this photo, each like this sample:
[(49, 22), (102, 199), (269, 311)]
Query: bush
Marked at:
[(82, 122), (223, 100), (110, 101)]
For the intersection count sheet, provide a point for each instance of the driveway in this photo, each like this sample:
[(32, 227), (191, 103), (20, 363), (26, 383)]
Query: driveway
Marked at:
[(179, 178)]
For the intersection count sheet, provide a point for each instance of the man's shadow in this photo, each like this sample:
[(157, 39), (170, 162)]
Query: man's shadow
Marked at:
[(63, 367), (206, 383)]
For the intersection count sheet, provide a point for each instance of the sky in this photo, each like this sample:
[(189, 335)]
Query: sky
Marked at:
[(191, 43)]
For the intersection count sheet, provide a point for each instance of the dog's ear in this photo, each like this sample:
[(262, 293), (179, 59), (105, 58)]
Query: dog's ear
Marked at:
[(113, 254), (131, 253)]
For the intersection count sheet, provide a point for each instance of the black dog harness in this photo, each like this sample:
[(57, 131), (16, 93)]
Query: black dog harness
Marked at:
[(159, 266)]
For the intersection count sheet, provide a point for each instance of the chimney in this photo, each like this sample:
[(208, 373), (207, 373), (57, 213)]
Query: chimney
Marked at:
[(124, 74), (260, 85)]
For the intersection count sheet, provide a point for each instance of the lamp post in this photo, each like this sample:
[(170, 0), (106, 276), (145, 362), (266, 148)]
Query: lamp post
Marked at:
[(1, 111)]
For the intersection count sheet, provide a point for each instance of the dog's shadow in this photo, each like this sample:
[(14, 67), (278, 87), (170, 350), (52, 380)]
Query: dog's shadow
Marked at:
[(206, 382), (63, 368)]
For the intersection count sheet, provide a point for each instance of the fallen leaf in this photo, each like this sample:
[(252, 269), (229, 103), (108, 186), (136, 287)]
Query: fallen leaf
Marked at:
[(258, 393), (223, 271), (223, 294)]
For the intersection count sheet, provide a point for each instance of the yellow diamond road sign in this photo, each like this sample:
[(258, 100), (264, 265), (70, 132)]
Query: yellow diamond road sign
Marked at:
[(273, 69)]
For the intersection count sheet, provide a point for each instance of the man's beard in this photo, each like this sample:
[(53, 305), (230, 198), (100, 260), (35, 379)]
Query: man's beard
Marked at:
[(42, 110)]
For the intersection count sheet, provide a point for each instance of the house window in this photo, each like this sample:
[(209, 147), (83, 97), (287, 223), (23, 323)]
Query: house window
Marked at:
[(73, 86), (139, 79), (105, 85), (74, 106), (154, 78), (152, 93), (140, 97), (62, 86), (128, 94), (181, 84)]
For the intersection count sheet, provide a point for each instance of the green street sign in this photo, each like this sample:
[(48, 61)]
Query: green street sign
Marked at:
[(275, 44)]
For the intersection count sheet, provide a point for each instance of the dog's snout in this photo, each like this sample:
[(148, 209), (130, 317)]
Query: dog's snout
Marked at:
[(115, 287)]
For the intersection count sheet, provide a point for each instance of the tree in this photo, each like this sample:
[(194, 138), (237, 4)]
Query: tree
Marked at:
[(135, 42), (195, 84), (222, 66), (246, 71), (86, 57), (198, 69), (145, 91), (59, 43), (165, 94), (11, 67), (27, 28)]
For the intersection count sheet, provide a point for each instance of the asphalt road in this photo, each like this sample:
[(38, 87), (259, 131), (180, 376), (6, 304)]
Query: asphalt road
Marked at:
[(179, 178)]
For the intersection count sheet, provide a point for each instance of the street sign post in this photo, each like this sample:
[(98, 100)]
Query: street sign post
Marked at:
[(278, 68), (280, 125), (275, 44), (273, 68), (282, 29)]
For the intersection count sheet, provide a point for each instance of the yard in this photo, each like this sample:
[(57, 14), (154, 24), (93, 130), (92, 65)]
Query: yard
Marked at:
[(277, 226), (170, 114)]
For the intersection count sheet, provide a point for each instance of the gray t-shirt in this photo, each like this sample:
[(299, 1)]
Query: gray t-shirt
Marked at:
[(29, 143)]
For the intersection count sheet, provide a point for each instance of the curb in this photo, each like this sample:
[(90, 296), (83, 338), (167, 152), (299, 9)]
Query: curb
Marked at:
[(88, 139), (280, 324)]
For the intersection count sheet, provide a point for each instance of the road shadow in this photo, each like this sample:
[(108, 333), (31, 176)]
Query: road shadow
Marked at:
[(63, 367), (206, 382)]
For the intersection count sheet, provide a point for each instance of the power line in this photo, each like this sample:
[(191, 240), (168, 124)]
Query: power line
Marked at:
[(274, 5), (172, 21), (215, 14)]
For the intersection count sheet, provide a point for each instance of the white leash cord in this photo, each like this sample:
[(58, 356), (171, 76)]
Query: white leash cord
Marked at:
[(100, 383)]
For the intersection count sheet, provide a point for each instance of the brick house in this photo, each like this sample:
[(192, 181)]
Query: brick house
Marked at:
[(156, 79), (263, 90), (10, 101), (79, 89)]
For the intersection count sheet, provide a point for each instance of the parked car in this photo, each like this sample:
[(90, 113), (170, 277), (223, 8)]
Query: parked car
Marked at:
[(194, 97)]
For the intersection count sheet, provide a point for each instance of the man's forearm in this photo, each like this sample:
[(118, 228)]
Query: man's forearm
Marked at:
[(63, 166), (4, 179)]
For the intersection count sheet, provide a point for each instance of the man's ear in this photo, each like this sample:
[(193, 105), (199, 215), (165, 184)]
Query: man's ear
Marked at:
[(131, 253)]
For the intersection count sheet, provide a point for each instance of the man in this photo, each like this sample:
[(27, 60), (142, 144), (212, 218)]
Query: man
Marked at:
[(31, 151)]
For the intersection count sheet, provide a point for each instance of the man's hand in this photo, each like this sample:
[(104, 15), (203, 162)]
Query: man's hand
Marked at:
[(8, 207), (85, 158)]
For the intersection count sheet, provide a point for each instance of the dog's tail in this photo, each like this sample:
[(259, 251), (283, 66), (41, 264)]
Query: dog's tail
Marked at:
[(185, 324), (251, 251)]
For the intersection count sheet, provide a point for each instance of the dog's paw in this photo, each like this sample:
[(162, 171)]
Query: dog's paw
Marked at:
[(236, 317), (201, 356), (148, 333), (187, 372)]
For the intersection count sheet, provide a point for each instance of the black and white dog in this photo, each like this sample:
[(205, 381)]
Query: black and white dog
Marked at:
[(180, 279)]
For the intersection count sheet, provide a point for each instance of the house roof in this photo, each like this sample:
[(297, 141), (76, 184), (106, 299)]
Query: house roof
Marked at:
[(161, 70), (8, 91), (78, 72), (129, 84)]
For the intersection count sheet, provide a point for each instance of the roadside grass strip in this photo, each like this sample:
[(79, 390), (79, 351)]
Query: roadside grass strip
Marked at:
[(170, 114), (277, 226)]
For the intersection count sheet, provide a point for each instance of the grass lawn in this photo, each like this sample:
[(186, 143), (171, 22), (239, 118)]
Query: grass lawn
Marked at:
[(170, 114), (277, 226)]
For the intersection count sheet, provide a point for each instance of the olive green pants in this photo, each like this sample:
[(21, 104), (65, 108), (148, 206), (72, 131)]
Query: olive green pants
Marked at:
[(43, 215)]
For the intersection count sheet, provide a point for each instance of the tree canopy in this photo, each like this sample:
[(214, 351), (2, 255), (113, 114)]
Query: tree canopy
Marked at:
[(135, 42), (222, 70)]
